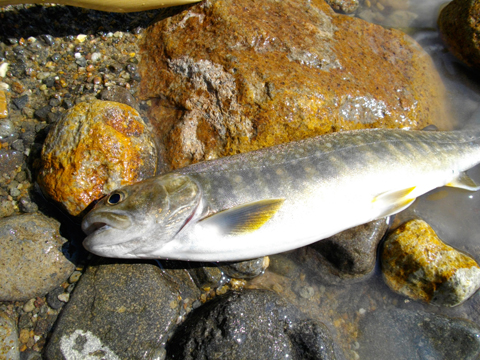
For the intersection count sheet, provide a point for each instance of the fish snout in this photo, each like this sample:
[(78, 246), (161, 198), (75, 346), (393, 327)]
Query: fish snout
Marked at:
[(94, 221)]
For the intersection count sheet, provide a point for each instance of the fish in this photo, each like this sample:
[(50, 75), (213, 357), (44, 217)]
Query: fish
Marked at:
[(278, 198)]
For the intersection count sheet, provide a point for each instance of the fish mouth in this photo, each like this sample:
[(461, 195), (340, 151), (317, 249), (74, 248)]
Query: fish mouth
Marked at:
[(98, 222)]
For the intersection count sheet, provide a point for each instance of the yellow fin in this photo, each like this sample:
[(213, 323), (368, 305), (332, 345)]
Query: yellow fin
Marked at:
[(463, 181), (392, 202), (244, 218)]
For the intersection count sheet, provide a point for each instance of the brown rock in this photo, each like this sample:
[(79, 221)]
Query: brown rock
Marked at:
[(96, 148), (417, 264), (234, 76), (3, 105), (31, 262), (459, 24)]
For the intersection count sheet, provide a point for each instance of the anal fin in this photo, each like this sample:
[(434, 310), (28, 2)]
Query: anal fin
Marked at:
[(392, 202), (463, 181), (244, 218)]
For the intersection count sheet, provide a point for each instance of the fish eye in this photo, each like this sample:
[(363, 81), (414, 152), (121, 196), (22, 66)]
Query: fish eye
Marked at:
[(115, 198)]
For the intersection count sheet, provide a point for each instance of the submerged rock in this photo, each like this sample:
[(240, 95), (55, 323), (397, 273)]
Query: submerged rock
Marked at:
[(234, 76), (96, 148), (120, 311), (245, 269), (459, 25), (10, 165), (349, 256), (417, 264), (253, 324), (416, 335), (31, 256)]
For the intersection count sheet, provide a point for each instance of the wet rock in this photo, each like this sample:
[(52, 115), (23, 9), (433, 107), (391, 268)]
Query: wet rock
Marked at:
[(119, 310), (459, 25), (119, 94), (10, 165), (3, 105), (254, 324), (417, 264), (96, 148), (246, 269), (206, 277), (344, 6), (415, 335), (32, 262), (233, 76), (9, 345), (349, 256)]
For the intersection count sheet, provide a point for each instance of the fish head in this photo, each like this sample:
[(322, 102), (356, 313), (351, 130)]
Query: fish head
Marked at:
[(136, 220)]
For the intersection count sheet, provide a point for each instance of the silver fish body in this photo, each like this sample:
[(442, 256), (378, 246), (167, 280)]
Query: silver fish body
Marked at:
[(279, 198)]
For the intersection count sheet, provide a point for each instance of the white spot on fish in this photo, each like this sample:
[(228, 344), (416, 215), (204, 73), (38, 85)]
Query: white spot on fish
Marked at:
[(238, 179), (279, 172), (329, 145)]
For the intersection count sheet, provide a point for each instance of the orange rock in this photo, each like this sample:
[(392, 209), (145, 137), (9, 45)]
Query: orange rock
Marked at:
[(3, 105), (96, 148), (237, 75), (417, 264)]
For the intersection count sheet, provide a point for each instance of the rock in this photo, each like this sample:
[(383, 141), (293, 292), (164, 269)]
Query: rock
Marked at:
[(119, 310), (459, 26), (417, 264), (234, 76), (253, 324), (206, 277), (344, 6), (349, 256), (245, 269), (10, 165), (20, 102), (9, 345), (119, 94), (96, 148), (31, 257), (415, 335), (3, 105)]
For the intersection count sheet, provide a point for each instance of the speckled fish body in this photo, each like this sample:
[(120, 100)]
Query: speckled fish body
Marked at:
[(279, 198)]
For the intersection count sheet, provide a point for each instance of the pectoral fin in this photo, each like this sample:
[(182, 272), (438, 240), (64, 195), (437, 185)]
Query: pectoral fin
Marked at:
[(244, 218), (463, 181), (392, 202)]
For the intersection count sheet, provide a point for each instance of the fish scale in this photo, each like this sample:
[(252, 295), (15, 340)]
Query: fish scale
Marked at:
[(279, 198)]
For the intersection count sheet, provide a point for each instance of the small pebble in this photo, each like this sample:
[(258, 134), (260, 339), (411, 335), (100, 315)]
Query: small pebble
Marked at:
[(29, 305)]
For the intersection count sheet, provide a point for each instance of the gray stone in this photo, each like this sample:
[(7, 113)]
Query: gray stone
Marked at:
[(31, 258), (118, 311), (253, 324), (9, 344), (403, 334), (349, 256)]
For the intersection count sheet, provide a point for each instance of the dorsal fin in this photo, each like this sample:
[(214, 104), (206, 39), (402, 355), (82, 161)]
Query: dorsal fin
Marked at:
[(244, 218)]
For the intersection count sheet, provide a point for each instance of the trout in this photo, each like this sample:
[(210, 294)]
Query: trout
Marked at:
[(278, 198)]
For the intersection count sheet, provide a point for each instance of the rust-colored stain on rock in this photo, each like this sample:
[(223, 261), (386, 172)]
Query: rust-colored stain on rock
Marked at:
[(234, 76), (96, 148)]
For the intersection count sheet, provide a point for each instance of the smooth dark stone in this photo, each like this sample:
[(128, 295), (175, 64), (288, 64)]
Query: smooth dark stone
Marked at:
[(123, 309), (119, 94), (20, 102), (349, 256), (252, 324)]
